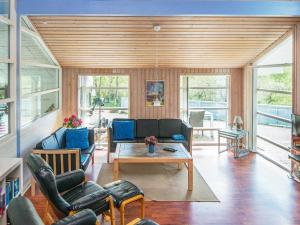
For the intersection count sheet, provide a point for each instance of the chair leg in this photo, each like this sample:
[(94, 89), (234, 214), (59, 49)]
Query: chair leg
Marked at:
[(93, 159), (122, 214), (142, 208), (48, 219), (32, 181), (111, 210), (126, 202)]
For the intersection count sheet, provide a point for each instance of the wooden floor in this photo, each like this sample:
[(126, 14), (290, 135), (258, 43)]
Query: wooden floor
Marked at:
[(251, 191)]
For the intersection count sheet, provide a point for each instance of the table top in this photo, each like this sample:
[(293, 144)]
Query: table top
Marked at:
[(233, 132), (140, 151)]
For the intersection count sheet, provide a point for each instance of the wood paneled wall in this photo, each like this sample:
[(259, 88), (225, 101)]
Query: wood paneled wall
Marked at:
[(138, 77)]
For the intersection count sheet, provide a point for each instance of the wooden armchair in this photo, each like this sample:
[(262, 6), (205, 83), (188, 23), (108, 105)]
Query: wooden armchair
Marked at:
[(52, 150)]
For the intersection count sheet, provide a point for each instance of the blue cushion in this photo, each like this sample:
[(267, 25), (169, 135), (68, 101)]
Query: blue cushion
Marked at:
[(178, 137), (77, 138), (60, 136), (50, 143), (124, 130)]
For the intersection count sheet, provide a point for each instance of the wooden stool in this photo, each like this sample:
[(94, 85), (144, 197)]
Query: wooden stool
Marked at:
[(124, 193)]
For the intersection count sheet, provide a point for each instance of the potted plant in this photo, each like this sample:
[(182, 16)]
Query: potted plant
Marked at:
[(151, 142), (72, 122)]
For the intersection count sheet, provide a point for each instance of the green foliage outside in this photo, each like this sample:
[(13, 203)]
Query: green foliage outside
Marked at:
[(206, 88), (110, 89), (278, 81)]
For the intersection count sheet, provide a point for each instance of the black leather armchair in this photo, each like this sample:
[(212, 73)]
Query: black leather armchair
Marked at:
[(21, 211), (69, 193)]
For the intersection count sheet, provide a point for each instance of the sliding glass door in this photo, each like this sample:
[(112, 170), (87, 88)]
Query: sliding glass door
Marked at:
[(204, 104), (273, 103)]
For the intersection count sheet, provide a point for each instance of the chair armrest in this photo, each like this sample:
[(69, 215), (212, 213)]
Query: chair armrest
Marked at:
[(84, 217), (99, 198), (187, 131), (91, 136), (53, 158), (68, 180)]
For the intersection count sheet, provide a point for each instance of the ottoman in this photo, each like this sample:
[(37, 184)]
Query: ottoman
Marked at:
[(124, 193)]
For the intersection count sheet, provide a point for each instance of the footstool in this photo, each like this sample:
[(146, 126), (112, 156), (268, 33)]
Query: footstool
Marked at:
[(139, 221), (124, 193)]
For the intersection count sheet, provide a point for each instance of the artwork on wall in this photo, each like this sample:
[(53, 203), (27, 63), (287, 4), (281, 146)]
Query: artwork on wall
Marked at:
[(155, 93)]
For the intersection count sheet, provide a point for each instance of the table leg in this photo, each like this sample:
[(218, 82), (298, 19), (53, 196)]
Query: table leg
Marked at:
[(190, 175), (116, 170), (218, 143)]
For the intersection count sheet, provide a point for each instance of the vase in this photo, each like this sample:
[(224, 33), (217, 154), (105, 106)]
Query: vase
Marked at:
[(151, 149)]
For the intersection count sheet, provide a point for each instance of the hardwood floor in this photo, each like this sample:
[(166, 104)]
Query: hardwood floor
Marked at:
[(251, 190)]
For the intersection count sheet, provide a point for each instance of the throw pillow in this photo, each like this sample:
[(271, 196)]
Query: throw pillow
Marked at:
[(77, 138), (123, 130), (178, 137)]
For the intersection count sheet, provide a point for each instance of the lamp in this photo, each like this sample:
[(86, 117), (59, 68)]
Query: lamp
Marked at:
[(237, 122)]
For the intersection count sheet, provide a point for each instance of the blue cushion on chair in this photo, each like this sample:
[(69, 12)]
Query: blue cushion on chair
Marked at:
[(60, 136), (124, 130), (77, 138), (178, 137), (50, 143)]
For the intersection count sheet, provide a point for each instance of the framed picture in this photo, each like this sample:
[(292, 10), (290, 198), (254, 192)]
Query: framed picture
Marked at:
[(155, 93)]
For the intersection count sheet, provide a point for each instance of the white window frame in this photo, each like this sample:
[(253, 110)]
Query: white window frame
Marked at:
[(11, 61), (80, 88), (35, 34), (255, 66), (201, 88)]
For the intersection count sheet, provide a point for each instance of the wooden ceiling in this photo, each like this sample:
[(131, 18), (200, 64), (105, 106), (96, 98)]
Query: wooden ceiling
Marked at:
[(131, 42)]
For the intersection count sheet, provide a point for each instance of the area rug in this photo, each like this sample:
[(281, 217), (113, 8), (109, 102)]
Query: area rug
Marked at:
[(161, 182)]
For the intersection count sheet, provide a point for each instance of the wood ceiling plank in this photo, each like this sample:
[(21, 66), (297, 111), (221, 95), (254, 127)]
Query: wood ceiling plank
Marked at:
[(128, 42)]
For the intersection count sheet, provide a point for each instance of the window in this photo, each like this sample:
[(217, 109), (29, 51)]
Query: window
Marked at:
[(39, 77), (205, 96), (4, 8), (102, 98), (273, 103), (7, 70)]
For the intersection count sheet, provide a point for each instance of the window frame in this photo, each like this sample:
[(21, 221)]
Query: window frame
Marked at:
[(23, 64), (80, 88), (11, 62), (255, 112), (227, 88)]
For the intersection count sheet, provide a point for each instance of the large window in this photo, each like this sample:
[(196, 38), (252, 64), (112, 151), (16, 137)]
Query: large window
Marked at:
[(7, 68), (102, 98), (273, 103), (39, 76), (204, 98)]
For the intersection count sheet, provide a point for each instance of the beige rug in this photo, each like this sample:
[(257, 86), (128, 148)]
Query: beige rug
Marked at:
[(161, 182)]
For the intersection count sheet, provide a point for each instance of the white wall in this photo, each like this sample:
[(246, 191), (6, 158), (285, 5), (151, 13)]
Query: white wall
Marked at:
[(35, 132), (8, 146)]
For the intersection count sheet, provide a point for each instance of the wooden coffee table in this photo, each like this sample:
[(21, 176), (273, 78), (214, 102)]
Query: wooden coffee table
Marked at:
[(138, 153)]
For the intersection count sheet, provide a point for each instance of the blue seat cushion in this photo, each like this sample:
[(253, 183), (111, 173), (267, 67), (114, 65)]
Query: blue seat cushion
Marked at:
[(60, 136), (124, 130), (77, 138), (178, 137), (50, 143)]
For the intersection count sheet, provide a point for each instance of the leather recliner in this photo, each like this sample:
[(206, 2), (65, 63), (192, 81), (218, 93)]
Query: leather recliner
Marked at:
[(69, 193), (21, 211)]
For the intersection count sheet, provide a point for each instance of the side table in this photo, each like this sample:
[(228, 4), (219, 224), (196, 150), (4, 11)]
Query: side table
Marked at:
[(235, 136)]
